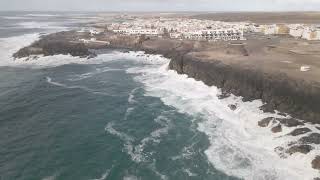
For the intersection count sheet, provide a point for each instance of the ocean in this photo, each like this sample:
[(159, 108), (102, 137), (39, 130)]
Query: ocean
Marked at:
[(123, 116)]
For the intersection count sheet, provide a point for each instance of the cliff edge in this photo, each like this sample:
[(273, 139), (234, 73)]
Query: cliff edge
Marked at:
[(259, 68)]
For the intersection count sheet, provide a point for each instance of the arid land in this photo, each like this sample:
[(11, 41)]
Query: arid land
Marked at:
[(262, 17)]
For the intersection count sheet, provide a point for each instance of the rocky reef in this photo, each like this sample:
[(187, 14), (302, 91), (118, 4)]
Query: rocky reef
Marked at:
[(66, 42)]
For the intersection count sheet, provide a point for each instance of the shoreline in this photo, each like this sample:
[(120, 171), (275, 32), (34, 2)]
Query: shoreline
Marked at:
[(297, 97), (279, 92)]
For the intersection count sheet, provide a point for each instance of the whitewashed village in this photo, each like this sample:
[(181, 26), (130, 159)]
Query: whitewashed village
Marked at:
[(194, 29)]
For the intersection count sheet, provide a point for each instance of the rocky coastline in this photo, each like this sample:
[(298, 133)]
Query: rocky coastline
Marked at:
[(295, 97), (278, 91), (299, 98)]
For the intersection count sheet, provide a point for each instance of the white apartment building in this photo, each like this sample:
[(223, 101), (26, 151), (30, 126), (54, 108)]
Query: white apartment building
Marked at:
[(318, 34), (215, 35), (179, 28), (270, 29), (305, 32), (309, 34), (296, 32), (139, 31)]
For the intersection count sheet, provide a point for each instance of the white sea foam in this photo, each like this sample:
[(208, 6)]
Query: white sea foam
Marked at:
[(53, 177), (131, 97), (42, 15), (130, 177), (155, 135), (238, 146), (79, 77), (104, 175), (50, 81), (14, 17), (135, 154), (8, 46), (128, 112), (189, 173), (40, 25), (131, 102)]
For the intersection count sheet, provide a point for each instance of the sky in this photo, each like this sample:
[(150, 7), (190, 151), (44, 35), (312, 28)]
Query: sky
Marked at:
[(160, 5)]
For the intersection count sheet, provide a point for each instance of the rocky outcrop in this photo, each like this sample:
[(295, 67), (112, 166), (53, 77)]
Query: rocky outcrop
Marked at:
[(277, 128), (265, 122), (316, 163), (59, 43), (313, 138), (304, 149), (49, 48), (279, 92), (299, 131), (232, 107)]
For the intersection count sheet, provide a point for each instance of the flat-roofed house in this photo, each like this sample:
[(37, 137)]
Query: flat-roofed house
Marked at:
[(296, 32)]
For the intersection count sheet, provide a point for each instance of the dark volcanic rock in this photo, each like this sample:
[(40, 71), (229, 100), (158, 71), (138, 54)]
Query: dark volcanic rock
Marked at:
[(276, 129), (232, 107), (265, 122), (313, 138), (267, 108), (57, 43), (299, 131), (277, 91), (281, 114), (305, 149), (290, 122), (316, 163), (50, 48), (223, 95)]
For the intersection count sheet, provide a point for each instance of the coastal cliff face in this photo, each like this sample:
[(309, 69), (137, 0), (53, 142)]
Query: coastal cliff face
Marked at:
[(297, 97), (278, 91)]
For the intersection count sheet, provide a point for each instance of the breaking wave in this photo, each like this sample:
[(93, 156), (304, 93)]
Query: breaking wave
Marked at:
[(238, 146), (40, 25), (42, 15)]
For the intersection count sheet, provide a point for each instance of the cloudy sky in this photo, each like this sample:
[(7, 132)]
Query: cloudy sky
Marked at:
[(161, 5)]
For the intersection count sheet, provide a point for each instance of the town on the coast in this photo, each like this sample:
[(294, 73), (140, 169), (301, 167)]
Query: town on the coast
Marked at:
[(194, 29)]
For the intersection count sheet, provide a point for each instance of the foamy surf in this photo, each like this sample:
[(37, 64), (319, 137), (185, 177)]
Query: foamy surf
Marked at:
[(104, 175), (93, 91), (238, 146), (41, 25), (42, 15), (8, 46)]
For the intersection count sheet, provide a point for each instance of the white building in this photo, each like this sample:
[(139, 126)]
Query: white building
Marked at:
[(309, 34), (296, 32), (215, 35), (270, 29), (318, 34), (179, 28), (139, 31), (175, 35)]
